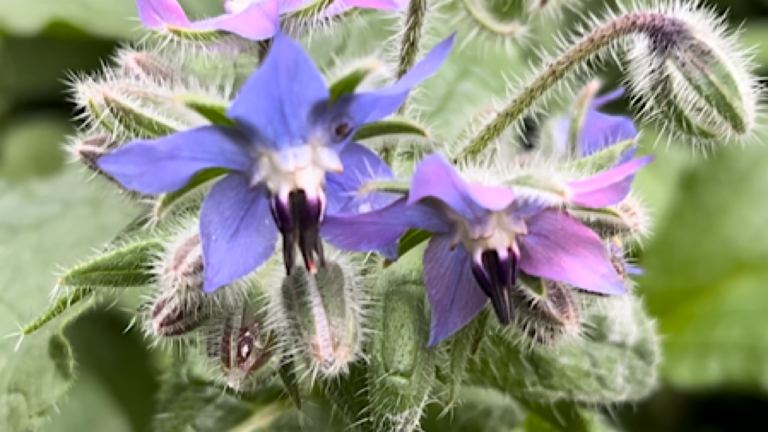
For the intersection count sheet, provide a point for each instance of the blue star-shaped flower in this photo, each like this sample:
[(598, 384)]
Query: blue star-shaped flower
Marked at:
[(289, 158)]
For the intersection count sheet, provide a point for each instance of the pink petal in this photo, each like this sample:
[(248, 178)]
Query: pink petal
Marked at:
[(559, 247), (608, 187)]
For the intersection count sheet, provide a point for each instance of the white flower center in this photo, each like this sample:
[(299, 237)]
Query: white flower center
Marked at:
[(497, 231), (296, 168)]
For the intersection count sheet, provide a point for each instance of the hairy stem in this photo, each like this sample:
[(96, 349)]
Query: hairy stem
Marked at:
[(664, 31), (409, 51)]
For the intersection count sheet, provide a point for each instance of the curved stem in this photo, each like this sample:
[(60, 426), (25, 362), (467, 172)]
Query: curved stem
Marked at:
[(663, 31)]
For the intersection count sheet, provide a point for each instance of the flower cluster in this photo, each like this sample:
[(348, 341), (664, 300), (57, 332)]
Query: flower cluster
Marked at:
[(289, 230)]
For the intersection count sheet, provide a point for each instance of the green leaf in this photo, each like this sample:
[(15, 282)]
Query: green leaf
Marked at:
[(706, 274), (615, 361), (30, 146), (390, 127), (43, 224)]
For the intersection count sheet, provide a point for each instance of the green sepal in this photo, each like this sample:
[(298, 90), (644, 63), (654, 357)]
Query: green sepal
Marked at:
[(348, 83), (393, 126), (392, 186), (123, 266), (215, 111), (62, 304), (137, 120), (287, 373), (166, 203), (603, 159), (411, 239)]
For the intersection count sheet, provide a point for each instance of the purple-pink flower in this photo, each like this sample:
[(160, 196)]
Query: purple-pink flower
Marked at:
[(484, 235), (290, 161), (251, 19)]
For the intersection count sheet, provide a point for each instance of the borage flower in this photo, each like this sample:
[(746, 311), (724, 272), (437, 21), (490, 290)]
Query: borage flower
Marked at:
[(598, 130), (251, 19), (499, 236), (290, 140)]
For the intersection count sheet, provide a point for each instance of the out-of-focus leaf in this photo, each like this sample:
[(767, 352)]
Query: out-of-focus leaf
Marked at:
[(36, 68), (43, 224), (706, 274), (89, 396), (30, 147)]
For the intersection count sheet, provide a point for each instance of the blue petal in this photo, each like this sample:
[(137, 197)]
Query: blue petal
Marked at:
[(258, 21), (375, 105), (237, 231), (602, 130), (436, 178), (378, 229), (360, 166), (453, 293), (275, 104), (167, 164)]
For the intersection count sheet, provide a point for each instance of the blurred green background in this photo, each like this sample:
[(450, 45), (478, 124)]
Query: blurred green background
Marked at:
[(707, 264)]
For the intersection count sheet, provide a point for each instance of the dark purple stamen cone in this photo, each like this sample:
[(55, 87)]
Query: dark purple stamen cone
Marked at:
[(497, 276), (298, 220)]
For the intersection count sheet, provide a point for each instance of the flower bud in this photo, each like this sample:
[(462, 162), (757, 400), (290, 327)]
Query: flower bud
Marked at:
[(144, 65), (174, 314), (242, 347), (134, 108), (545, 310), (323, 314), (694, 78), (402, 367), (182, 305), (88, 149)]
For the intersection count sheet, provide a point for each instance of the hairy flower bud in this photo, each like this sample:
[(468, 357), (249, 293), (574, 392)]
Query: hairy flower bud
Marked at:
[(547, 312), (144, 66), (402, 367), (174, 314), (182, 306), (693, 77), (243, 347), (134, 108), (323, 314)]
